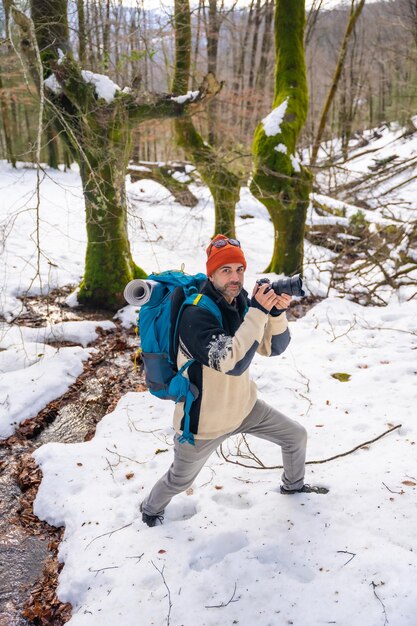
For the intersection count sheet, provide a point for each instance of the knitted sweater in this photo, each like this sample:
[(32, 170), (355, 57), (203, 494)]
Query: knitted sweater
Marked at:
[(222, 357)]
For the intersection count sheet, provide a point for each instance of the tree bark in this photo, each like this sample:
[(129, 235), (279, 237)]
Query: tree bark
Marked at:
[(223, 184), (82, 37), (212, 32), (279, 181), (7, 130)]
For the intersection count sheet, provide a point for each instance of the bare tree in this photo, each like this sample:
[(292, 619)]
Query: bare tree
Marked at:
[(355, 11)]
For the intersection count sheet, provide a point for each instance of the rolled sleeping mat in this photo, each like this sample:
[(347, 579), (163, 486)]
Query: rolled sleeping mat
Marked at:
[(139, 291)]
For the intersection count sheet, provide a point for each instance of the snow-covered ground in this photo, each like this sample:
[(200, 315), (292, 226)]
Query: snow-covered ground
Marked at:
[(231, 550)]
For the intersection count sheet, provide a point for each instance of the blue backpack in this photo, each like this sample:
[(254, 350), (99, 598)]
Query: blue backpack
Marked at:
[(158, 321)]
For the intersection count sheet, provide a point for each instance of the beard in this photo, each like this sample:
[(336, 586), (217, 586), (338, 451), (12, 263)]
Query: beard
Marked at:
[(230, 290)]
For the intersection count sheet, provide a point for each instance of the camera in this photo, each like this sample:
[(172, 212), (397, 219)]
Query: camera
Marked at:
[(292, 286)]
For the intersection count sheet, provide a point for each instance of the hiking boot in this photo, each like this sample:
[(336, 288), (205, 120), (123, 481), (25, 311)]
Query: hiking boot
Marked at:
[(150, 520), (304, 489)]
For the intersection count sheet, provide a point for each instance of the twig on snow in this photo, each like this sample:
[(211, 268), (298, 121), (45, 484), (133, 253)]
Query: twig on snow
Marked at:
[(374, 586), (332, 458), (103, 568), (346, 552), (122, 456), (223, 604), (161, 571), (109, 534), (391, 491)]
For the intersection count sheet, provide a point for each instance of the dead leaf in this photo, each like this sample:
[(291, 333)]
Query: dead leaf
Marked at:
[(343, 377), (129, 475), (189, 491), (409, 483), (218, 487), (161, 551), (363, 366), (160, 451)]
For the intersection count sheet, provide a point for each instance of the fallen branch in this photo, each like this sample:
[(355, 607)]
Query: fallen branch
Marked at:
[(223, 604), (109, 534), (346, 552), (331, 458), (400, 493), (374, 586), (161, 571)]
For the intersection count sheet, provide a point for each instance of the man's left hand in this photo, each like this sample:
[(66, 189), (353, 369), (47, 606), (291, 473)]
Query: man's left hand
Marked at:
[(283, 301)]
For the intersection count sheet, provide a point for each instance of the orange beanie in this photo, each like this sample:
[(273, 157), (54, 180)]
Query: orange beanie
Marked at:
[(216, 257)]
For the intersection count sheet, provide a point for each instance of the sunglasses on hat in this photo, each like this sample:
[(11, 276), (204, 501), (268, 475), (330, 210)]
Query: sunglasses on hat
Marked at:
[(220, 243)]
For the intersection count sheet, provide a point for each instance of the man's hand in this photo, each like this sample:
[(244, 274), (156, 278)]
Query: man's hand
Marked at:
[(270, 299)]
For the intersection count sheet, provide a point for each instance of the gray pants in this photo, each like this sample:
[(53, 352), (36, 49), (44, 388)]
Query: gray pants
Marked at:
[(264, 422)]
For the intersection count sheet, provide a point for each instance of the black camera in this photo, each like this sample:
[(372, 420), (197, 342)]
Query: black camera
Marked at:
[(292, 286)]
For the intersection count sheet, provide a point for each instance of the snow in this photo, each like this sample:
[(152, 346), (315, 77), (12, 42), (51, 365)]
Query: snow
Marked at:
[(281, 148), (295, 163), (32, 376), (288, 557), (189, 96), (34, 373), (104, 86), (52, 83), (231, 550), (272, 122)]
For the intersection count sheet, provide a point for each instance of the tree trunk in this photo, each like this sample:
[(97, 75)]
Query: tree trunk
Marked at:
[(82, 38), (213, 27), (223, 184), (7, 130), (280, 182), (106, 37), (353, 18), (261, 74), (53, 147)]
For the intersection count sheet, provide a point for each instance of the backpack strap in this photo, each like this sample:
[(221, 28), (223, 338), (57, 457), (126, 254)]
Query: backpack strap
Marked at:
[(206, 303)]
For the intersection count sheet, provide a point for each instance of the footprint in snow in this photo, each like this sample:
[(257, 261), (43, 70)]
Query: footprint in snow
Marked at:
[(178, 511), (234, 501), (207, 554), (285, 561)]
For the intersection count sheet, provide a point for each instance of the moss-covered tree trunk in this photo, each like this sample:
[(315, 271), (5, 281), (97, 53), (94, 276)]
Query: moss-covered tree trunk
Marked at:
[(279, 181), (109, 265), (96, 126), (224, 185)]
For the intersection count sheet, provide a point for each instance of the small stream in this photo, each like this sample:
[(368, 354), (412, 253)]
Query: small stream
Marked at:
[(22, 553)]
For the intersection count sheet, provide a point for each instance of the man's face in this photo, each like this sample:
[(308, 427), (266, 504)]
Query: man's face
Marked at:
[(228, 279)]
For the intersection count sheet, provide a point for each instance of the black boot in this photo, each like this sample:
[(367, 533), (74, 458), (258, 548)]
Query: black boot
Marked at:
[(304, 489), (150, 520)]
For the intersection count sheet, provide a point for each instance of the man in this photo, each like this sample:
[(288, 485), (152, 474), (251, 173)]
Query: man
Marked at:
[(227, 402)]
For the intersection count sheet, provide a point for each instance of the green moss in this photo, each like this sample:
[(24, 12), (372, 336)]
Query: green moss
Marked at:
[(358, 223)]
